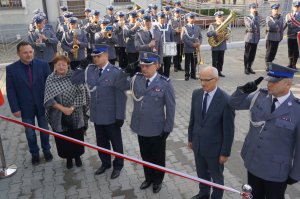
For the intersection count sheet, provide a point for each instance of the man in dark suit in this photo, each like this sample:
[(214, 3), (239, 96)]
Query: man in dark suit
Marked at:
[(210, 132), (25, 85)]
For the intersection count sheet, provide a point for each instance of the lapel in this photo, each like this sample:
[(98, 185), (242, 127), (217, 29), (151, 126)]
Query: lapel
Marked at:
[(153, 83), (214, 103), (105, 72), (283, 108), (199, 102), (34, 69), (23, 73)]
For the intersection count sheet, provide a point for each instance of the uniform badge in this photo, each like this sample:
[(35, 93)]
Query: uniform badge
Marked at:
[(286, 118), (157, 89), (289, 103)]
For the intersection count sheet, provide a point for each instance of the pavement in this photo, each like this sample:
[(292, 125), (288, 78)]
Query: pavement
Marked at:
[(53, 180)]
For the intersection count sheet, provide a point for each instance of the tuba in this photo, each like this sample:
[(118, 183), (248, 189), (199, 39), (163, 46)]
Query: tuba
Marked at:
[(222, 32)]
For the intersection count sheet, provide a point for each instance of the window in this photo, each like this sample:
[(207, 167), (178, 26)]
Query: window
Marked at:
[(122, 1), (10, 3)]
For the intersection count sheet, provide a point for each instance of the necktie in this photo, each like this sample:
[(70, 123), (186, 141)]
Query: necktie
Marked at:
[(29, 74), (204, 105), (147, 83), (273, 107), (150, 35), (100, 72)]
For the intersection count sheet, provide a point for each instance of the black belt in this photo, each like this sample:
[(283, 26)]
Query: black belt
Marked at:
[(251, 31), (271, 31)]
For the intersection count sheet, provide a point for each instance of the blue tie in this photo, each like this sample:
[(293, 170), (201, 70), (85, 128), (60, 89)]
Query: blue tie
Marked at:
[(100, 72), (204, 105)]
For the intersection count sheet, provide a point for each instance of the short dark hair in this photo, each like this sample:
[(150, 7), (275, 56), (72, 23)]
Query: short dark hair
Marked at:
[(23, 43)]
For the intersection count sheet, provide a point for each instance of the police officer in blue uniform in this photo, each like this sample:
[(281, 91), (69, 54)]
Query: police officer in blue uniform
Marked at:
[(110, 15), (108, 105), (43, 40), (119, 28), (167, 35), (84, 22), (109, 38), (153, 116), (92, 28), (217, 51), (192, 39), (177, 23), (271, 149), (292, 30), (274, 33), (252, 36), (63, 27)]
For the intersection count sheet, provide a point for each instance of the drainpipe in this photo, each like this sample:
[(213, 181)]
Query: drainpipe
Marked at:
[(45, 7)]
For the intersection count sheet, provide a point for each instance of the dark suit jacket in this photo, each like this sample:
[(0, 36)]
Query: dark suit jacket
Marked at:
[(212, 135), (20, 97)]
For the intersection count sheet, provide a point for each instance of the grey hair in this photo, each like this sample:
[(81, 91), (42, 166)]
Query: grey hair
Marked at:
[(212, 69)]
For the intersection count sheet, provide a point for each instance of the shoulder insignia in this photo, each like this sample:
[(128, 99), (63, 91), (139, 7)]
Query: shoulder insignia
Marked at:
[(297, 100), (164, 78), (139, 74), (264, 90), (117, 67)]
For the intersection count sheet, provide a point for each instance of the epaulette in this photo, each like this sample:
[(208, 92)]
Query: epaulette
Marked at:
[(117, 67), (264, 90), (297, 100), (165, 78), (138, 73)]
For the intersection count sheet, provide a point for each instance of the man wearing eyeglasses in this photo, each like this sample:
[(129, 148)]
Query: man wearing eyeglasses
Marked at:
[(210, 132), (153, 116)]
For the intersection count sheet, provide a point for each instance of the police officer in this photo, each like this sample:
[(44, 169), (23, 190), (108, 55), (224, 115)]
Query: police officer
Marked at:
[(167, 11), (154, 11), (63, 27), (43, 40), (153, 116), (271, 149), (148, 39), (252, 24), (192, 39), (61, 17), (108, 105), (119, 27), (129, 9), (130, 30), (218, 52), (74, 42), (84, 22), (177, 23), (107, 36), (92, 28), (292, 19), (167, 35), (140, 13), (274, 33), (110, 15)]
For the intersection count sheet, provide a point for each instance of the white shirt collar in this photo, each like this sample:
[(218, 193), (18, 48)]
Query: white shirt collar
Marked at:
[(281, 99), (152, 78), (211, 93), (104, 67)]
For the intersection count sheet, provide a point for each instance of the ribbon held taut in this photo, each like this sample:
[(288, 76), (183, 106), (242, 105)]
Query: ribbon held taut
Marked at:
[(244, 194), (1, 98)]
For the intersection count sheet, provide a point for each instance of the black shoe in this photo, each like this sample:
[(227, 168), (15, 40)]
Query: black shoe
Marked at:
[(145, 185), (251, 71), (69, 163), (156, 188), (48, 156), (101, 170), (200, 197), (78, 162), (192, 77), (221, 75), (175, 70), (186, 78), (35, 160), (246, 71), (180, 69), (115, 174)]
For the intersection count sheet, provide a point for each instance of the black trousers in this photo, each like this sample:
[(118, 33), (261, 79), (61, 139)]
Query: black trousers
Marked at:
[(122, 57), (153, 149), (190, 65), (133, 58), (178, 58), (271, 47), (106, 135), (263, 189), (166, 66), (293, 52), (218, 59), (249, 55)]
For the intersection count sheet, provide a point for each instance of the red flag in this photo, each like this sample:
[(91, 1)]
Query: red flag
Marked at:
[(1, 98)]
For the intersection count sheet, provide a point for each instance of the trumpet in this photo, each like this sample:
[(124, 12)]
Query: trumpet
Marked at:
[(75, 45), (109, 31)]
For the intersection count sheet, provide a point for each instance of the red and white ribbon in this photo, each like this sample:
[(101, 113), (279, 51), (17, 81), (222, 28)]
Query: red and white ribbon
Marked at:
[(125, 157)]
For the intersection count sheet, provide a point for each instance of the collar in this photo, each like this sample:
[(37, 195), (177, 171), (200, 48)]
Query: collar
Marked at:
[(152, 78), (282, 98), (105, 66), (31, 63), (211, 93)]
